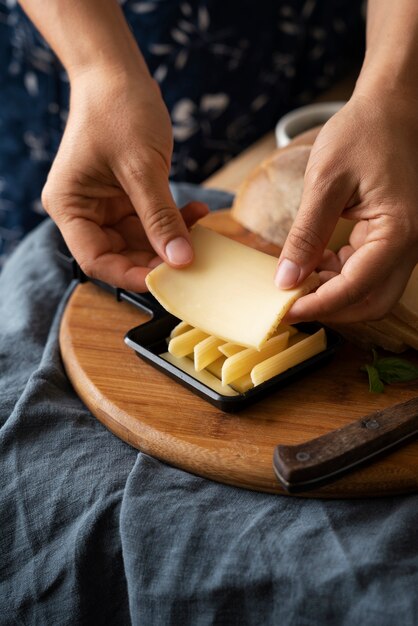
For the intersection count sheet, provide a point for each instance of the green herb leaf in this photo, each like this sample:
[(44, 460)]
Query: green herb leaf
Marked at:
[(388, 370), (375, 384), (395, 370)]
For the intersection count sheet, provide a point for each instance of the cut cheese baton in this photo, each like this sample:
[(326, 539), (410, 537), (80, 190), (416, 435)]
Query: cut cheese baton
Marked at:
[(205, 377), (227, 291), (296, 338), (184, 344), (283, 328), (206, 352), (281, 362), (215, 368), (243, 362), (242, 384), (228, 349), (181, 328)]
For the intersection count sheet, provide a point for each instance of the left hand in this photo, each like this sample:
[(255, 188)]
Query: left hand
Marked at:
[(363, 166)]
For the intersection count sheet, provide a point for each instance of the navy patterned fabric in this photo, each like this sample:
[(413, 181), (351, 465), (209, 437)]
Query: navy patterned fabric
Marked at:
[(226, 75)]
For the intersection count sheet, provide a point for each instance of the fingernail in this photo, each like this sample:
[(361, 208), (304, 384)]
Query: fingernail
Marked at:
[(179, 251), (287, 274)]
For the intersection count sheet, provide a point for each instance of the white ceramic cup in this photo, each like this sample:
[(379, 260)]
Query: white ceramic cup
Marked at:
[(302, 119)]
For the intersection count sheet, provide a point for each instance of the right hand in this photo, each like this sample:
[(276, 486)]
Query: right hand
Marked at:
[(108, 187)]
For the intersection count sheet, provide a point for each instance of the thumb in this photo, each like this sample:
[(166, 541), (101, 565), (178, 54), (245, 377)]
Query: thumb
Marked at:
[(323, 200), (148, 189)]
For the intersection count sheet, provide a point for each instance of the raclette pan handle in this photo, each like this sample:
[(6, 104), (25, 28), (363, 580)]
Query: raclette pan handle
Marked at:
[(322, 460), (144, 301)]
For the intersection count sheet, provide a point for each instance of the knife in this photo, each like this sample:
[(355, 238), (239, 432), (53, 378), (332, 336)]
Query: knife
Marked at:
[(322, 460)]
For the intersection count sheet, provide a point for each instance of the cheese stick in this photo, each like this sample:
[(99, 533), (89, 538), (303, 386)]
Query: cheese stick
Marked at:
[(206, 351), (181, 328), (183, 344), (215, 368), (286, 359), (229, 349), (242, 384), (242, 363), (205, 377)]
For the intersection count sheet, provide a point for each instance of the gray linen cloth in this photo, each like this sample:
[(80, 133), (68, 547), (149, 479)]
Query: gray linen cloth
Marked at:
[(94, 532)]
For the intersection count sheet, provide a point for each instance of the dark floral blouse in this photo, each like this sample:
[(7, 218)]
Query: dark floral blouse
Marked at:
[(227, 71)]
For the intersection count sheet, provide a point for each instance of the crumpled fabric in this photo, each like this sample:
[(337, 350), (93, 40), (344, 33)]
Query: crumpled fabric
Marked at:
[(226, 77), (94, 532)]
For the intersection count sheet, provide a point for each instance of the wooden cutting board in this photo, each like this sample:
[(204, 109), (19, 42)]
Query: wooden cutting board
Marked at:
[(158, 416)]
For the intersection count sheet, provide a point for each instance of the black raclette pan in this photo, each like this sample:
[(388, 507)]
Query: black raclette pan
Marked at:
[(149, 341)]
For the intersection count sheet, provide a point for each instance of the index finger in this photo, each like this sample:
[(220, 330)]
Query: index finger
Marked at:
[(92, 249), (366, 270)]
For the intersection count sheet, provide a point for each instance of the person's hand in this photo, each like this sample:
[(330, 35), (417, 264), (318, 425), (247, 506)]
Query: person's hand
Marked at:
[(108, 187), (363, 166)]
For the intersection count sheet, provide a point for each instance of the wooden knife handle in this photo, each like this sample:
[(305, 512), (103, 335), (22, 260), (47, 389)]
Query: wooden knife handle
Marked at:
[(324, 459)]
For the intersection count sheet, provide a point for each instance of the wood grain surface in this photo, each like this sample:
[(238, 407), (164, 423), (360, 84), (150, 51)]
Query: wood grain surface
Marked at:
[(155, 414)]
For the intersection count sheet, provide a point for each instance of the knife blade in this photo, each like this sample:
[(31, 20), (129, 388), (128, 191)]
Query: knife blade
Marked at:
[(324, 459)]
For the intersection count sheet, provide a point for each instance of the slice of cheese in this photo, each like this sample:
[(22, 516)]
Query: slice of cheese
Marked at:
[(229, 349), (227, 291)]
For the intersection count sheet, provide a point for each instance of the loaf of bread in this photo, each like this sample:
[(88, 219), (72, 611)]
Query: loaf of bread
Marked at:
[(269, 198)]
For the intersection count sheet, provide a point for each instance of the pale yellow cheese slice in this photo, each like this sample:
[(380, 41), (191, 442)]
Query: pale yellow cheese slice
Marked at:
[(229, 349), (227, 291)]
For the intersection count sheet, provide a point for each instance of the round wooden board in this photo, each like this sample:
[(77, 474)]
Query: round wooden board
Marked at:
[(151, 412)]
